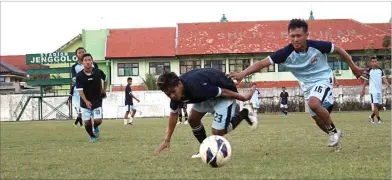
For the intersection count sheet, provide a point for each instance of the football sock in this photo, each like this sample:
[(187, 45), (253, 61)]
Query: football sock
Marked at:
[(237, 118), (199, 132), (331, 128), (372, 116), (378, 117), (89, 129)]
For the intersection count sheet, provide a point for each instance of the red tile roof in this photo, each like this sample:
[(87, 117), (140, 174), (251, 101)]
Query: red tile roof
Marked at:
[(381, 26), (19, 61), (144, 42), (269, 36)]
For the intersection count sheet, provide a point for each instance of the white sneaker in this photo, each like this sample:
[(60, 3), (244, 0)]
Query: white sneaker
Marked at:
[(334, 138), (186, 122), (179, 122), (196, 156), (252, 117)]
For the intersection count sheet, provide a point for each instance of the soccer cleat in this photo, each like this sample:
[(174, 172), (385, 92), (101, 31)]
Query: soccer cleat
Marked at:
[(252, 117), (97, 131), (371, 119), (196, 156), (334, 138), (93, 139), (186, 122), (380, 121)]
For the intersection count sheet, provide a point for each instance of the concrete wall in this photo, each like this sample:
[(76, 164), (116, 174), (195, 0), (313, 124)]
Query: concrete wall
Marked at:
[(156, 103)]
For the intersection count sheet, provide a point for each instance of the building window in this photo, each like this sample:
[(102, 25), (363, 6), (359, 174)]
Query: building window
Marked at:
[(216, 64), (237, 65), (187, 65), (159, 67), (335, 64), (2, 79), (282, 68), (128, 69), (270, 68)]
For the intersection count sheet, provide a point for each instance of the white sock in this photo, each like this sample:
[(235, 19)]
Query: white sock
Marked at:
[(125, 122)]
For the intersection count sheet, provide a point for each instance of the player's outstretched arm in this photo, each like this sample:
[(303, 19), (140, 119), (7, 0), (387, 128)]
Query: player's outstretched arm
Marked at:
[(365, 83), (169, 132), (254, 68), (358, 72), (234, 95)]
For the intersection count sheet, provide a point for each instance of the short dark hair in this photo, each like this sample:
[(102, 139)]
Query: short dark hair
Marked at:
[(129, 78), (298, 23), (283, 87), (87, 55), (167, 81), (79, 48), (373, 57)]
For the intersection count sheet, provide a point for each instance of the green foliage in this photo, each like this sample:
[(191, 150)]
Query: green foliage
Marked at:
[(150, 82)]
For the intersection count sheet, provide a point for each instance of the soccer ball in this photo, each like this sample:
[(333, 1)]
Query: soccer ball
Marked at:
[(215, 151)]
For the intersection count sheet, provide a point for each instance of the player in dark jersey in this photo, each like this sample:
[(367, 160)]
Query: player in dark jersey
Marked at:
[(89, 85), (75, 69), (283, 101), (182, 107), (209, 90), (129, 103)]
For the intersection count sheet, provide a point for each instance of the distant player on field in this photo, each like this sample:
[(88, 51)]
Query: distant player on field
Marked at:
[(283, 101), (89, 85), (75, 69), (255, 100), (129, 103), (307, 61), (375, 78), (209, 90)]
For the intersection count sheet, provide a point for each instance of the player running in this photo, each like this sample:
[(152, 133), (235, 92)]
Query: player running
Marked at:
[(89, 85), (307, 61)]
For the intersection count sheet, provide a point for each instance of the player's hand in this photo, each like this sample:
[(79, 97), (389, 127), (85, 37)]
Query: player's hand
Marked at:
[(362, 93), (360, 72), (250, 94), (88, 104), (165, 145), (103, 92), (237, 76)]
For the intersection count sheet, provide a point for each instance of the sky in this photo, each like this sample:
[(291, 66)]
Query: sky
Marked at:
[(41, 27)]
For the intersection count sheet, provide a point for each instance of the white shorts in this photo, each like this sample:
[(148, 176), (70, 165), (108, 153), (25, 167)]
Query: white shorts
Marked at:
[(88, 114), (376, 98), (284, 106), (323, 92), (224, 110), (129, 108)]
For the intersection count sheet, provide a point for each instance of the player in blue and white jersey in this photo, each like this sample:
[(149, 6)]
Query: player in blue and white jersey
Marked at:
[(375, 78), (307, 61), (209, 90)]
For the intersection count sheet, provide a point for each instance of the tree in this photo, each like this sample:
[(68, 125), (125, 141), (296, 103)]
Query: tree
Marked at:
[(150, 82)]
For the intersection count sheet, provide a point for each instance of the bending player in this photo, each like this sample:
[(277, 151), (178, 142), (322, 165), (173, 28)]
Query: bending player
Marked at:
[(210, 90), (307, 61), (376, 77), (75, 69), (89, 85)]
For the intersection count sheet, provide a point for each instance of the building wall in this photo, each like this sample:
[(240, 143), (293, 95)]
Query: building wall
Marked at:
[(143, 69), (94, 41)]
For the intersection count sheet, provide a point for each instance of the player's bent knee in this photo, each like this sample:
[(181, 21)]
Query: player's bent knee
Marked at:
[(219, 132), (314, 103), (97, 121)]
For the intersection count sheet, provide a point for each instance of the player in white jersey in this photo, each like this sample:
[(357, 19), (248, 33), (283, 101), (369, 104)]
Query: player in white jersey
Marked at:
[(375, 78), (307, 61), (75, 69)]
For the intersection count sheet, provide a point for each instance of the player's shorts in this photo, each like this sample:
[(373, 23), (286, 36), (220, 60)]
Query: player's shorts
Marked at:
[(323, 92), (88, 114), (76, 100), (284, 106), (223, 108), (376, 98), (129, 107)]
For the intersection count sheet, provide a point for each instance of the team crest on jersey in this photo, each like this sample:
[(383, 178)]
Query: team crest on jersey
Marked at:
[(314, 59), (90, 79)]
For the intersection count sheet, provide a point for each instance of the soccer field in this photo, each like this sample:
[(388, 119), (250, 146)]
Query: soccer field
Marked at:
[(282, 148)]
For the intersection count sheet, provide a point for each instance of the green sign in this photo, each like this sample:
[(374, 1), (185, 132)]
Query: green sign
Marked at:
[(51, 58)]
